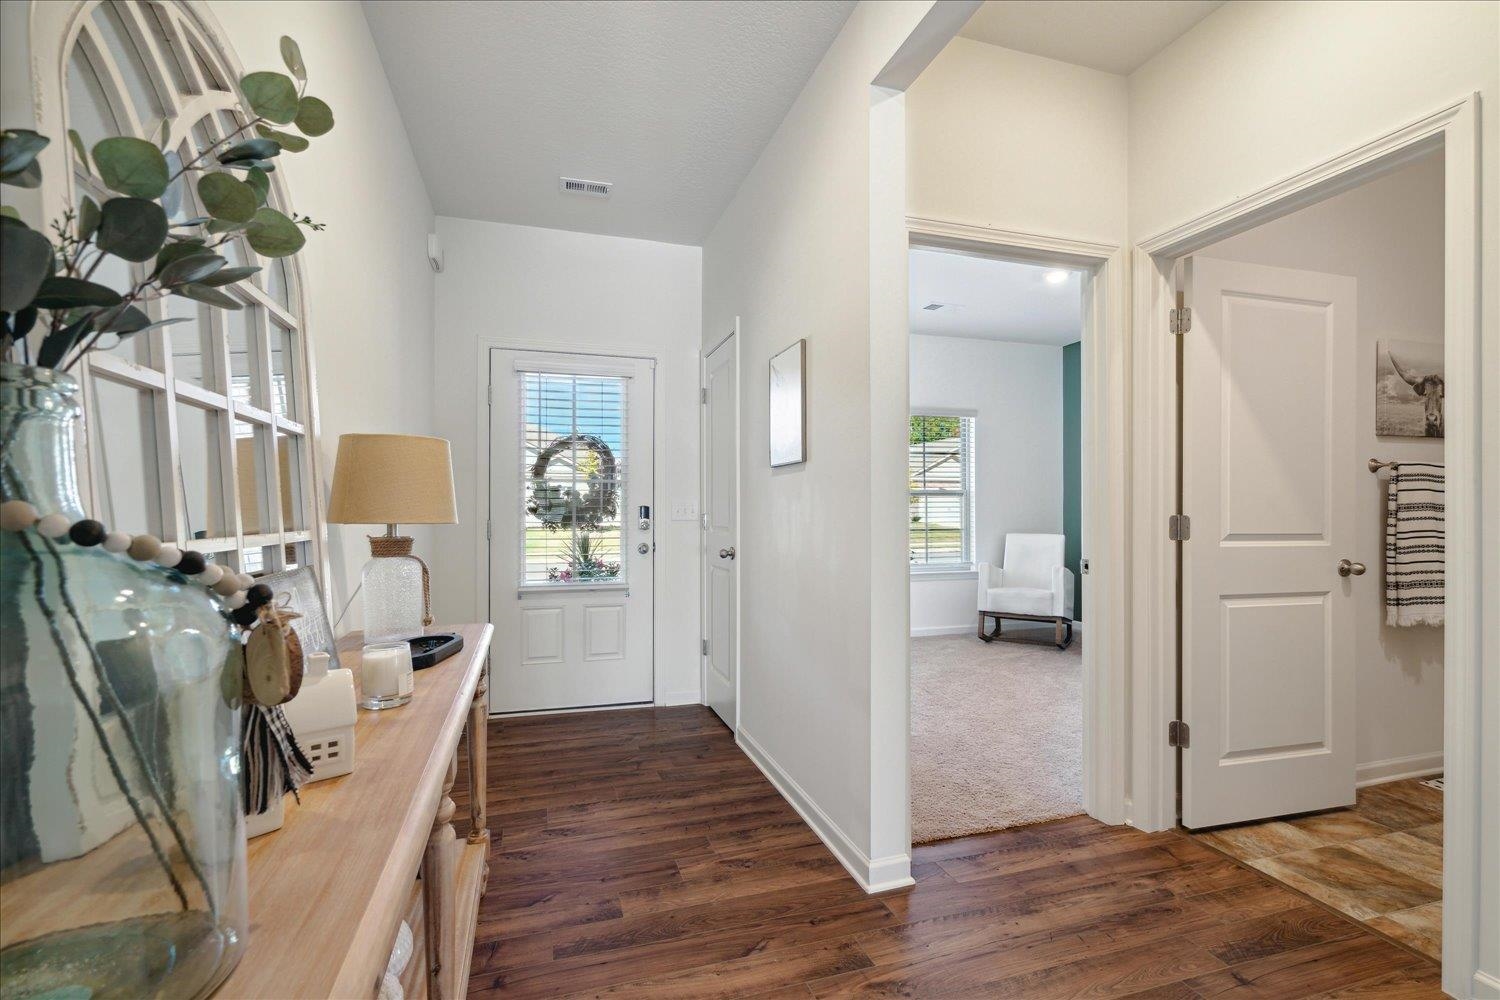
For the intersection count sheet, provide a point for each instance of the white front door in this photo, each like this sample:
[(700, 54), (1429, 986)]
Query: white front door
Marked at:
[(572, 516), (1269, 472), (720, 527)]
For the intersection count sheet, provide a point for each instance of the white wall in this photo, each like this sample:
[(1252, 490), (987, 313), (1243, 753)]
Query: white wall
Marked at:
[(1257, 92), (529, 287), (1014, 141), (369, 288), (1388, 234), (1015, 393), (793, 256)]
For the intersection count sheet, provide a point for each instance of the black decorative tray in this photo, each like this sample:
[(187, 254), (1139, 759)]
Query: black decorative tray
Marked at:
[(427, 650)]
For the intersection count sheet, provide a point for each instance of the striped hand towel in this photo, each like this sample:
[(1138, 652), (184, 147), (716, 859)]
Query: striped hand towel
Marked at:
[(1414, 545)]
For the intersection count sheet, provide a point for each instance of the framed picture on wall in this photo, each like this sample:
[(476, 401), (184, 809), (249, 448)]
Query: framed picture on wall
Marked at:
[(788, 420), (1409, 388)]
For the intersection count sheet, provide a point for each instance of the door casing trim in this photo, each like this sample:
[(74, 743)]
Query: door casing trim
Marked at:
[(482, 498), (1105, 450), (1454, 129)]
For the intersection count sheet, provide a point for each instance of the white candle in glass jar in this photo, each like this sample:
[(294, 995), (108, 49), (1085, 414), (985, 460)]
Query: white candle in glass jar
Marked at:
[(385, 675)]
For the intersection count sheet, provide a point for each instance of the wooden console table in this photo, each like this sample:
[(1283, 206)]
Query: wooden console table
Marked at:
[(328, 891)]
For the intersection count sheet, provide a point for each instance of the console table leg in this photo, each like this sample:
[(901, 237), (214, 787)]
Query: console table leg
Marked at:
[(437, 885), (479, 789)]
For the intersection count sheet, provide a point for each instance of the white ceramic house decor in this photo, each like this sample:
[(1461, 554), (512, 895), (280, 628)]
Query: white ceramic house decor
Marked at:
[(322, 717), (258, 824)]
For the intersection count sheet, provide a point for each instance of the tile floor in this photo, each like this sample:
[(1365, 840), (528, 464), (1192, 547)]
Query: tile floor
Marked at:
[(1380, 862)]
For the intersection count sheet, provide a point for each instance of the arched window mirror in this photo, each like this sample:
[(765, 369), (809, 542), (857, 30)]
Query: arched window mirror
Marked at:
[(204, 432)]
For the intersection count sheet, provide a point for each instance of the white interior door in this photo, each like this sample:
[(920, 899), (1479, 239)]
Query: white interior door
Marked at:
[(571, 547), (1269, 471), (720, 528)]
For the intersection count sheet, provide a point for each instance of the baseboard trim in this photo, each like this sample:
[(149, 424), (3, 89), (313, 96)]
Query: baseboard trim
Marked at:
[(670, 698), (931, 630), (878, 875), (1378, 772), (1486, 986)]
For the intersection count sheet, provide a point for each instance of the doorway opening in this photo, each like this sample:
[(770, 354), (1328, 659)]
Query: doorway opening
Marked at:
[(1313, 471), (996, 540)]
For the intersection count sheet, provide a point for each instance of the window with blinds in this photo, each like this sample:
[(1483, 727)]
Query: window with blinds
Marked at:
[(940, 466), (573, 473)]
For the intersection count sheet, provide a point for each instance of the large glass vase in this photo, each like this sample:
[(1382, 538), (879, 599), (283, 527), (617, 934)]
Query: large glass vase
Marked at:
[(122, 852)]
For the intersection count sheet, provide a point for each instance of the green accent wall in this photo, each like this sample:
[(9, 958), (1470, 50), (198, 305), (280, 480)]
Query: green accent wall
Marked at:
[(1072, 417)]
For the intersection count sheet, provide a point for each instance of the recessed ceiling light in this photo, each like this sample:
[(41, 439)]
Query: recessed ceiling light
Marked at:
[(1056, 277)]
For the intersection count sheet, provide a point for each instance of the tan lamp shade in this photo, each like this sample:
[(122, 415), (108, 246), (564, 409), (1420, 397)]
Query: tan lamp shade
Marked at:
[(392, 479)]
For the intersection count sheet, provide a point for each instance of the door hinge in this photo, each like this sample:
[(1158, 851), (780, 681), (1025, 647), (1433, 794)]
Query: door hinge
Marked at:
[(489, 396), (1177, 734), (704, 644), (703, 395), (1179, 527), (1180, 320), (487, 525)]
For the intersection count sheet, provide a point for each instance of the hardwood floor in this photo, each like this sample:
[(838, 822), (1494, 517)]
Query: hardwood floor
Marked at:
[(1380, 862), (640, 854)]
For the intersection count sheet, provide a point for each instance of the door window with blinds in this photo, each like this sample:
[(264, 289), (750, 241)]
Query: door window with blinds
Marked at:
[(940, 467), (199, 433), (573, 475)]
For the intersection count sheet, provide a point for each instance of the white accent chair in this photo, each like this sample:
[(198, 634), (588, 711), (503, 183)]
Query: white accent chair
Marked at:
[(1033, 585)]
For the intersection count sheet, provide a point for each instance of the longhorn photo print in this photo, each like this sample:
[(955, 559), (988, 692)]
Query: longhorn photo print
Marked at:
[(1409, 388)]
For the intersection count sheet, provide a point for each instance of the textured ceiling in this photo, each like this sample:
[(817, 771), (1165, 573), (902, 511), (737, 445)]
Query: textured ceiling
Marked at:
[(993, 299), (1116, 36), (671, 101)]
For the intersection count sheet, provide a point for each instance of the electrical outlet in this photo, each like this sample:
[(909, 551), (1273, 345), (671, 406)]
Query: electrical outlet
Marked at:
[(685, 510)]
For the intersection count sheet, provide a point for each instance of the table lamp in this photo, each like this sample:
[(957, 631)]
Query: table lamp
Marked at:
[(393, 479)]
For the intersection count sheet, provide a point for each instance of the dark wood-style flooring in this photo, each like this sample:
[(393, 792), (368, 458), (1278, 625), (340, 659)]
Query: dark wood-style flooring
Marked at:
[(640, 854)]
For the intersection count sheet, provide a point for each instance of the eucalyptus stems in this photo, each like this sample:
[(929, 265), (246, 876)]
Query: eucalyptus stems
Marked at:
[(53, 312)]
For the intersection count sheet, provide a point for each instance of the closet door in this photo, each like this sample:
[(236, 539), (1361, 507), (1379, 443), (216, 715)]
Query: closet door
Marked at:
[(1269, 474)]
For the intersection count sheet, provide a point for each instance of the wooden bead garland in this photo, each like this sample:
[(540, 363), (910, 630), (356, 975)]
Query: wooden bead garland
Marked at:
[(238, 590), (86, 532)]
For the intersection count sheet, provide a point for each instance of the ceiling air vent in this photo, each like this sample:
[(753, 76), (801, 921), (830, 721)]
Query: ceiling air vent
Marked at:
[(934, 306), (594, 189)]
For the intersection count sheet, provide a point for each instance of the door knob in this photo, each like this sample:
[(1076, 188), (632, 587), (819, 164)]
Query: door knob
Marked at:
[(727, 553), (1347, 568), (643, 548)]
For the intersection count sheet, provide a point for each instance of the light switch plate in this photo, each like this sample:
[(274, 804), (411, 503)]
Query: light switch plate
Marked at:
[(685, 510)]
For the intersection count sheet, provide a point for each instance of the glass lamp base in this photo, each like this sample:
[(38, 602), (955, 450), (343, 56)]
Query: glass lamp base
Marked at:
[(392, 587)]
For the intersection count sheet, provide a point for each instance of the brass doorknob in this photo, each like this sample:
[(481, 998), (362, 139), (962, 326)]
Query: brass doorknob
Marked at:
[(1347, 568)]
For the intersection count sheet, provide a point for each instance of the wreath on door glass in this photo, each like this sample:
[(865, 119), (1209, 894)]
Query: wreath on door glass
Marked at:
[(559, 506)]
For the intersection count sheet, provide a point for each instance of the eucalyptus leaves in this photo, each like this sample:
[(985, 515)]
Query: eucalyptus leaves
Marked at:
[(51, 307)]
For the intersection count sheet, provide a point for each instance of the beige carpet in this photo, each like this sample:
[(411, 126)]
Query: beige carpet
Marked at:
[(996, 735)]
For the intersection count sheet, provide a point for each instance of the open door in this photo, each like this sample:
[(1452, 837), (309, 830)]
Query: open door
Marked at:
[(1268, 481), (720, 529)]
